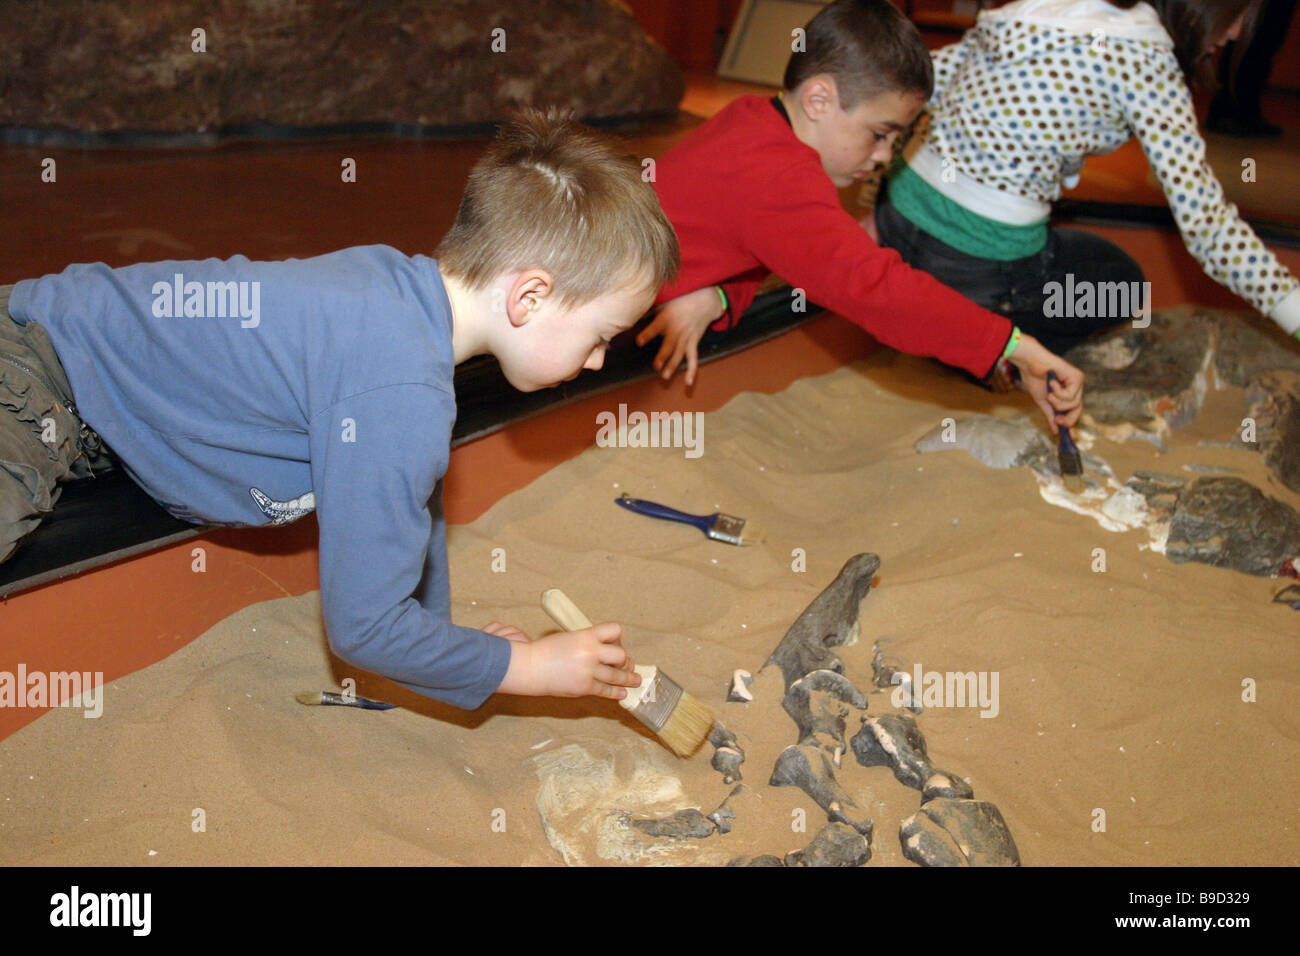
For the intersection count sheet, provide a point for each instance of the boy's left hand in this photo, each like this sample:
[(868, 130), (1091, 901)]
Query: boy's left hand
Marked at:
[(508, 631), (1063, 403), (682, 322)]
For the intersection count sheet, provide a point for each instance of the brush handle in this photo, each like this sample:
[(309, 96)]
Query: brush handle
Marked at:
[(563, 611), (1067, 443), (566, 614), (650, 509)]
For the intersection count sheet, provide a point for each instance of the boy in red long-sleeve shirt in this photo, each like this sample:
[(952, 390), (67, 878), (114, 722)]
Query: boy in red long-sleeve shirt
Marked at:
[(753, 191)]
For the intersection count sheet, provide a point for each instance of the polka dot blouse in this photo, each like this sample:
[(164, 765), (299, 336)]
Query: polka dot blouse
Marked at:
[(1019, 105)]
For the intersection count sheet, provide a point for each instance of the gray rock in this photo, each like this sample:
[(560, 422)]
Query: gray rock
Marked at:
[(996, 442), (1160, 490), (725, 815), (1249, 345), (727, 755), (884, 668), (834, 845), (1152, 378), (819, 703), (1275, 406), (943, 784), (974, 828), (926, 843), (894, 741), (809, 769), (766, 859), (831, 620), (1229, 523), (738, 692), (689, 824)]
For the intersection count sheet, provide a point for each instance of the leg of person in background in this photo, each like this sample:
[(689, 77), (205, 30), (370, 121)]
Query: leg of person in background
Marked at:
[(1243, 73), (1079, 284)]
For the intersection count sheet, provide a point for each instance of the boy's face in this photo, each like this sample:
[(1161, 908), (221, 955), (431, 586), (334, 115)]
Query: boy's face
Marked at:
[(851, 143), (547, 343)]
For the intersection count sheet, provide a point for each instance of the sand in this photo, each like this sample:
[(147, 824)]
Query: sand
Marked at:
[(1119, 691)]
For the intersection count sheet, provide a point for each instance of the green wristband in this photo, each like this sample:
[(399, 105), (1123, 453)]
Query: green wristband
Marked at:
[(1012, 342), (726, 306)]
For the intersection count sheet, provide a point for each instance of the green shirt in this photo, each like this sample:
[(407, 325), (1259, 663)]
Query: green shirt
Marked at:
[(950, 222)]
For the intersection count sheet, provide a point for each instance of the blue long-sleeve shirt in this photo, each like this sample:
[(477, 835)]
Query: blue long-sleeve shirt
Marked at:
[(249, 393)]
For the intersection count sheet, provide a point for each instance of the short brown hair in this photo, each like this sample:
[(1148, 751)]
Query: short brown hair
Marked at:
[(1193, 24), (551, 194), (868, 47)]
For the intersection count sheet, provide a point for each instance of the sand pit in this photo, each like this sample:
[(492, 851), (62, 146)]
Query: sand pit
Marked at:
[(1120, 692)]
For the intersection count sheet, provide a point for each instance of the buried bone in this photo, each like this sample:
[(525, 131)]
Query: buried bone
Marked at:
[(727, 755), (996, 442), (808, 768), (948, 832), (688, 824), (725, 816), (894, 741), (819, 703), (834, 845), (831, 620), (739, 692)]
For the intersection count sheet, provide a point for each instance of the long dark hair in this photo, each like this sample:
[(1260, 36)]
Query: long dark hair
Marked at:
[(1193, 24)]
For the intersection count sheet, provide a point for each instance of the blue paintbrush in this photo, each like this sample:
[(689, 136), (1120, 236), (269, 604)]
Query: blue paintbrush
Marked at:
[(717, 526)]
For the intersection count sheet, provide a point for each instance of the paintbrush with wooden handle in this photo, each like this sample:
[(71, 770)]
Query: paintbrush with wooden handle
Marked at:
[(677, 718)]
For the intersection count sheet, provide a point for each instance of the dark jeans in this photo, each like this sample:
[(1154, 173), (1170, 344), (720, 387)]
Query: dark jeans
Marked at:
[(1022, 289)]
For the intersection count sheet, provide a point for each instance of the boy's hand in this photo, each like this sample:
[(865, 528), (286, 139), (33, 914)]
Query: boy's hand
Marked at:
[(508, 631), (1064, 402), (682, 322), (590, 662)]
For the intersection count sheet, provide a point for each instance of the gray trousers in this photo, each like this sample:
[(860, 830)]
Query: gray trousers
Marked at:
[(42, 441)]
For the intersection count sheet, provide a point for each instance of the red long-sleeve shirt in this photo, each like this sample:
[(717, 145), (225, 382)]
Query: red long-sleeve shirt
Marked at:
[(747, 198)]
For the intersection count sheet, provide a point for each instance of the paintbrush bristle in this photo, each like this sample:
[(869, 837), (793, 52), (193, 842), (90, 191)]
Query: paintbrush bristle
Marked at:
[(687, 726), (309, 697), (752, 534)]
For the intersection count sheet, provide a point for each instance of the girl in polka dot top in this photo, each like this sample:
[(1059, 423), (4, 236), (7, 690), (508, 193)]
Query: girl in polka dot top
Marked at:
[(1019, 103)]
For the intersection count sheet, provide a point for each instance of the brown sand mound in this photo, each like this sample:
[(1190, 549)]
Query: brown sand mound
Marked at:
[(1119, 691)]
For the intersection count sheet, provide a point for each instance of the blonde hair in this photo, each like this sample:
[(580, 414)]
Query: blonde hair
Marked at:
[(552, 194)]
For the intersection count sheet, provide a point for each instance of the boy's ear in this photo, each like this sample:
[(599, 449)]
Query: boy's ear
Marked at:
[(527, 293), (818, 96)]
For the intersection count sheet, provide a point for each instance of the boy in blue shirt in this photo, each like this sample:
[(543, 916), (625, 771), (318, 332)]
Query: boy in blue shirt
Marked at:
[(251, 393)]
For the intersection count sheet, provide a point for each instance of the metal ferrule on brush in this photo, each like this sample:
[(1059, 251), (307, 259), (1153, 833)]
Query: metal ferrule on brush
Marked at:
[(654, 700), (726, 528)]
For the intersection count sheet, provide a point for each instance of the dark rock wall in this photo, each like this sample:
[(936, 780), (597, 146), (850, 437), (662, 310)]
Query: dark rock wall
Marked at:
[(122, 65)]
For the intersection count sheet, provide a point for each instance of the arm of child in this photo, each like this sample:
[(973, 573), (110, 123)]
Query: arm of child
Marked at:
[(682, 322), (1158, 109), (376, 461), (1063, 403), (802, 233)]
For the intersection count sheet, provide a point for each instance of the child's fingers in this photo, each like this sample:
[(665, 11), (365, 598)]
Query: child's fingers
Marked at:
[(692, 361), (615, 677), (663, 362), (655, 328), (608, 632), (605, 690)]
